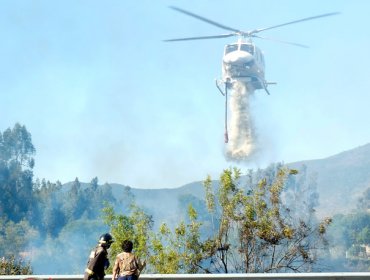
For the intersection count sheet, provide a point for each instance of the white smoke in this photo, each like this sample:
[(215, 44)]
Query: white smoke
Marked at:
[(241, 137)]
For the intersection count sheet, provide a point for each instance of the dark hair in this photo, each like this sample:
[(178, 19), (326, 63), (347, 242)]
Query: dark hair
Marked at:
[(127, 246)]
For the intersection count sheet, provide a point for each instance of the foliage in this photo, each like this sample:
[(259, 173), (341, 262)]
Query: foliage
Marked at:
[(364, 201), (15, 237), (16, 164), (16, 200), (257, 231), (351, 233), (13, 266), (262, 222), (351, 229), (49, 214), (73, 243), (166, 251), (134, 226), (33, 212), (258, 228), (180, 250), (56, 208)]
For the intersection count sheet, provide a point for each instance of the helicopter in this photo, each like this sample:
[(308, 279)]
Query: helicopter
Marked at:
[(242, 61)]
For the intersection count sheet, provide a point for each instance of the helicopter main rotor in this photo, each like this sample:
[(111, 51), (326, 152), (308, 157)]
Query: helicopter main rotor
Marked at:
[(240, 33)]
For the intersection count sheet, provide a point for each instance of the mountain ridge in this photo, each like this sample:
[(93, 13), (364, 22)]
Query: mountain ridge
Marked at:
[(341, 179)]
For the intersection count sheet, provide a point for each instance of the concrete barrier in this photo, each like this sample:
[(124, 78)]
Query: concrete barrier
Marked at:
[(251, 276)]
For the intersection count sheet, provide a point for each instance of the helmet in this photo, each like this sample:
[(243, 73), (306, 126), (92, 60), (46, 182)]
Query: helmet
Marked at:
[(106, 239)]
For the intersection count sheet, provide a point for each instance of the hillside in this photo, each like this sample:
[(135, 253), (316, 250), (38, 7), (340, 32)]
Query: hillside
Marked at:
[(163, 204), (341, 179)]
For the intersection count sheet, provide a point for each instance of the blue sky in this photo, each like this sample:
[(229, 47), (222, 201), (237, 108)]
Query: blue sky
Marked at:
[(103, 96)]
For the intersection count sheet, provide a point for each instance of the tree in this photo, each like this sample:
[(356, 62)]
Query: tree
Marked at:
[(364, 201), (257, 231), (75, 204), (134, 226), (16, 145), (15, 237), (181, 250), (166, 251), (16, 164), (94, 198), (14, 266), (255, 228), (353, 228), (351, 234), (50, 213)]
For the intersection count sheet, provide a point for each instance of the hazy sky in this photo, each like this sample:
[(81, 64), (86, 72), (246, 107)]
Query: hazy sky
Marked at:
[(103, 95)]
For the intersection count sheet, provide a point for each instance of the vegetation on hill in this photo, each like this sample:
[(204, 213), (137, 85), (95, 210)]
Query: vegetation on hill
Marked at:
[(341, 179), (351, 235), (254, 228), (262, 222)]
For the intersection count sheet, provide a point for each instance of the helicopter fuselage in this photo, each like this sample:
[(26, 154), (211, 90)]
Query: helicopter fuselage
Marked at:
[(244, 62)]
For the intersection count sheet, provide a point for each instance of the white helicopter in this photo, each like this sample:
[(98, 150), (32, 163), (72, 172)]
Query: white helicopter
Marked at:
[(242, 61)]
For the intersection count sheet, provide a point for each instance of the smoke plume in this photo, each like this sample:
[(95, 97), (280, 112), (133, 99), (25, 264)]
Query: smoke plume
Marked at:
[(241, 142)]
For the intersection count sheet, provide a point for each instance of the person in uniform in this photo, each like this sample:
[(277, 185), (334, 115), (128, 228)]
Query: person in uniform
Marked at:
[(127, 266), (98, 260)]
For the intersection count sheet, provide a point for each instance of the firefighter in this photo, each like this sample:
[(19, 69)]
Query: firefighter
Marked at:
[(98, 260)]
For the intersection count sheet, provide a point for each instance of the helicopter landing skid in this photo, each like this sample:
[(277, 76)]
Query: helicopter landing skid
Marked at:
[(264, 84), (223, 86)]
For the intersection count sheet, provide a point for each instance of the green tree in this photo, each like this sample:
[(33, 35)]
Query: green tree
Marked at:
[(14, 266), (166, 259), (364, 201), (254, 227), (353, 228), (75, 201), (350, 234), (94, 198), (15, 237), (16, 164), (180, 250), (257, 231), (135, 226), (50, 203)]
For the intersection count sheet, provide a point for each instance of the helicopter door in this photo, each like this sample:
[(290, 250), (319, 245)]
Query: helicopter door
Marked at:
[(259, 58)]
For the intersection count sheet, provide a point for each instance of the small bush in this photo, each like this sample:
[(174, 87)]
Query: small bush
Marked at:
[(14, 266)]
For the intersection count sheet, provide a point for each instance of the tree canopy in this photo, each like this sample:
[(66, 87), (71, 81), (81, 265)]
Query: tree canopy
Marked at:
[(16, 176), (254, 229)]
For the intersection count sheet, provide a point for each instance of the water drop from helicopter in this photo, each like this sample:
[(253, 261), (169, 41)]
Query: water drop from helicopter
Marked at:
[(243, 72)]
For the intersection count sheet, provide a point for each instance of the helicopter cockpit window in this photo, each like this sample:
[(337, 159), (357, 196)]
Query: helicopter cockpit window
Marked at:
[(247, 48), (231, 48)]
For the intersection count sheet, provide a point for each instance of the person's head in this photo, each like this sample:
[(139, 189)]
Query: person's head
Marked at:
[(127, 246), (106, 240)]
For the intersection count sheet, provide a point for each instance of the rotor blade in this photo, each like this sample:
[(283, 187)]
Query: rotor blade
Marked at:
[(280, 41), (204, 19), (200, 38), (292, 22)]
